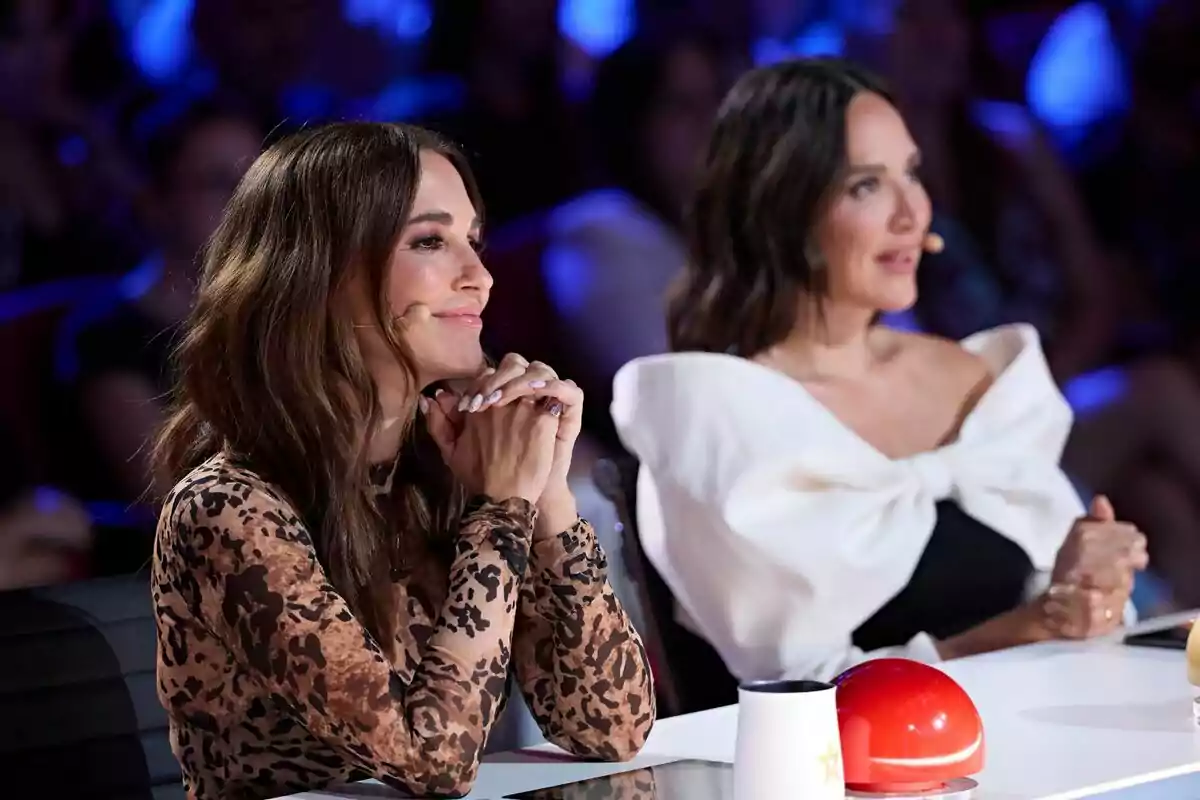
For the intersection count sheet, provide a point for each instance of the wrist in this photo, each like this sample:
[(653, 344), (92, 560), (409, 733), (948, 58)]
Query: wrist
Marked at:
[(947, 649), (557, 510), (506, 487), (1027, 622), (1022, 625)]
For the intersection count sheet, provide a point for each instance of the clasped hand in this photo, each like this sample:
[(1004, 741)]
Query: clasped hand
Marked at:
[(1093, 575), (510, 431)]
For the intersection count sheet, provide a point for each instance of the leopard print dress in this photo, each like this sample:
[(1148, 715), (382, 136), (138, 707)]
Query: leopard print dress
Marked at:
[(273, 686)]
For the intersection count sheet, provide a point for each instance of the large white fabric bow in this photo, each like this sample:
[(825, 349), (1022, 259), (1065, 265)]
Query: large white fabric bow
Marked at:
[(776, 525)]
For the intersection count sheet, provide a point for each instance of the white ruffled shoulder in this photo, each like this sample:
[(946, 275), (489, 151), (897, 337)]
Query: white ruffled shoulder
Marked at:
[(776, 525)]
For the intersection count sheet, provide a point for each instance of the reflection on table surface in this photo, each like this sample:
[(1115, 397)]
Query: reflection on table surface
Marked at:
[(681, 780), (1062, 719)]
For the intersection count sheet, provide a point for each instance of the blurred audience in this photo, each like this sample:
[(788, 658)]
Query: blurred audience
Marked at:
[(45, 535), (286, 59), (123, 345), (516, 122), (1020, 247), (67, 189), (794, 28), (1141, 196), (612, 252)]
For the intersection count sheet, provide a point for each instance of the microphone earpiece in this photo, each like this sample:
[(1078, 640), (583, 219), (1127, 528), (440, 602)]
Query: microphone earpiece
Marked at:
[(415, 314), (934, 243)]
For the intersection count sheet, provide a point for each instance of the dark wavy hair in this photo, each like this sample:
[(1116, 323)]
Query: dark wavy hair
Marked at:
[(270, 371), (775, 156)]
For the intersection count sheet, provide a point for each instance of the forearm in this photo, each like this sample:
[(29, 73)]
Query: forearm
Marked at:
[(579, 661), (1020, 626), (423, 733), (479, 614)]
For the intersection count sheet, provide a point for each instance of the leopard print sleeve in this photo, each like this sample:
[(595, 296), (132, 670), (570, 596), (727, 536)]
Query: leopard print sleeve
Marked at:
[(579, 661), (255, 582)]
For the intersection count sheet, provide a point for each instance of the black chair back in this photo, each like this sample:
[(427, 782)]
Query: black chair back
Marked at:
[(79, 711), (689, 674)]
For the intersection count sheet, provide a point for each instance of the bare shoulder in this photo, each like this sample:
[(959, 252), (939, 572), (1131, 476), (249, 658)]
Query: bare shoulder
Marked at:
[(944, 363)]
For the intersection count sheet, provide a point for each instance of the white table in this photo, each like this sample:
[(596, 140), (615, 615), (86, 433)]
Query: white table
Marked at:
[(1062, 720)]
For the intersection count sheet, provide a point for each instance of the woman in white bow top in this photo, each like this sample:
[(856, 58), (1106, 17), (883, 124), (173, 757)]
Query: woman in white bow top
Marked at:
[(815, 488)]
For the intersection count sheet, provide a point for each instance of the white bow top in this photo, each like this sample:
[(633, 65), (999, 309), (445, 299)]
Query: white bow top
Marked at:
[(780, 531)]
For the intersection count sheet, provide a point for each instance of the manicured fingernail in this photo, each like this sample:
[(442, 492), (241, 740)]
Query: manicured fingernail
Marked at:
[(464, 403), (476, 402), (537, 384), (423, 404), (439, 392), (493, 397)]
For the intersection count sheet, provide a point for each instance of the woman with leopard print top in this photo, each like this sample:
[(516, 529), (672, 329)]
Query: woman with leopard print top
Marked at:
[(369, 532)]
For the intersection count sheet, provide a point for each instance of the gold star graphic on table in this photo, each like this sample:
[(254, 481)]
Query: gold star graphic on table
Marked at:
[(832, 761)]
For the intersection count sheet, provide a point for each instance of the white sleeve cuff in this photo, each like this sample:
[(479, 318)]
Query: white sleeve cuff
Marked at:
[(1037, 584), (923, 647)]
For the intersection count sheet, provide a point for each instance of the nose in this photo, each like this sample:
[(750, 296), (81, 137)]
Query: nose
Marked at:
[(474, 277), (912, 210), (903, 218)]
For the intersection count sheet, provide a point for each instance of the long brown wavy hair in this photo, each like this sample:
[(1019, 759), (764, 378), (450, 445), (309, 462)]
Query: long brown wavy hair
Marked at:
[(776, 152), (269, 368)]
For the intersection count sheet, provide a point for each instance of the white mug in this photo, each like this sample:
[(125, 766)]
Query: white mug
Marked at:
[(787, 742)]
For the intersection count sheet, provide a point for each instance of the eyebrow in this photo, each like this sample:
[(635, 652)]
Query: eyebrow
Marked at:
[(870, 169), (440, 217)]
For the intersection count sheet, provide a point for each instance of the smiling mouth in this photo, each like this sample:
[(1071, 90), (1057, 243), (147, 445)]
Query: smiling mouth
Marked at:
[(464, 320)]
